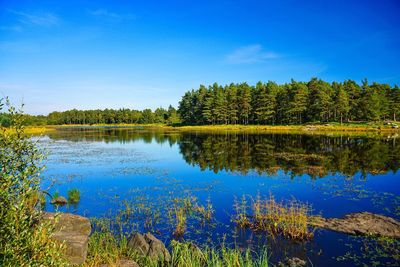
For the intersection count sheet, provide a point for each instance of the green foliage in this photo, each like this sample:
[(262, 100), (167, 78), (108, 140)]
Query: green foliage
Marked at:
[(109, 116), (23, 241), (187, 254), (294, 103), (106, 247), (74, 196)]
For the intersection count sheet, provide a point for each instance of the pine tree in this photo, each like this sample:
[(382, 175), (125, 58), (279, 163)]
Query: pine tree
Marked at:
[(342, 102), (244, 102), (300, 100), (232, 104), (353, 91), (208, 106), (395, 102)]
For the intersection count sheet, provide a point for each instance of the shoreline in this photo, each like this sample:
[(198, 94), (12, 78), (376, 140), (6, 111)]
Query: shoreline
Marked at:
[(299, 129)]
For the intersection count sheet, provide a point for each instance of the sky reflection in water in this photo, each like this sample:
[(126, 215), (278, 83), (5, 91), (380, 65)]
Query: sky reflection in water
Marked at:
[(336, 175)]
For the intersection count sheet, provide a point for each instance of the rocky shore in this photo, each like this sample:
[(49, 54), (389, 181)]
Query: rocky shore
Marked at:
[(74, 231)]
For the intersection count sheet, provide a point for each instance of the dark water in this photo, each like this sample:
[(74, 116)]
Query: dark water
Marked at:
[(146, 170)]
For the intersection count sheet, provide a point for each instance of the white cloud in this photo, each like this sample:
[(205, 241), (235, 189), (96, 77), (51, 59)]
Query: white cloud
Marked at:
[(111, 15), (39, 19), (250, 54)]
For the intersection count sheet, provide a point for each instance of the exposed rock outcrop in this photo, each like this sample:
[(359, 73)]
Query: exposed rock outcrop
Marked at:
[(363, 223), (74, 231), (59, 201), (149, 245)]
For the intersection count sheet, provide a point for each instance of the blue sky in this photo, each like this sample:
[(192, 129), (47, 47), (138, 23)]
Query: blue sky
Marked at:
[(58, 55)]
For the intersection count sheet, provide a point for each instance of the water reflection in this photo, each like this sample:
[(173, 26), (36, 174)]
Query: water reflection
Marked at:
[(315, 155)]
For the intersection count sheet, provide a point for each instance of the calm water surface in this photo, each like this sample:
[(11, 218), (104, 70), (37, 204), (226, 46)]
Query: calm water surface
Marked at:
[(336, 175)]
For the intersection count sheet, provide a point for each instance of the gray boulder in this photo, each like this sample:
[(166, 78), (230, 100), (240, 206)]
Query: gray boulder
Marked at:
[(150, 246), (74, 231), (362, 223)]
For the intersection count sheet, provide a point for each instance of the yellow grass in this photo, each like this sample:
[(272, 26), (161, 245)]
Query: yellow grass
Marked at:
[(289, 219), (326, 129), (290, 128), (35, 130)]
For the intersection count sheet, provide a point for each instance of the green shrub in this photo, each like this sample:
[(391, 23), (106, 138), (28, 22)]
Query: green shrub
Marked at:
[(23, 241)]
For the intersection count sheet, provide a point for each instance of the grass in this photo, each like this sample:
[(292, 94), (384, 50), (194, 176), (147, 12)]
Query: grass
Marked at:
[(180, 217), (74, 196), (56, 195), (35, 130), (241, 209), (206, 212), (352, 128), (108, 248), (289, 219), (186, 254)]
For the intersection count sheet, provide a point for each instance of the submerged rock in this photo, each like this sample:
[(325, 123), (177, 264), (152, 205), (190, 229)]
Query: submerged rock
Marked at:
[(74, 231), (149, 245), (59, 201), (292, 262), (362, 223)]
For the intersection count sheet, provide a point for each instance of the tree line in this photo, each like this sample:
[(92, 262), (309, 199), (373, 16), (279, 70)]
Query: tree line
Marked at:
[(290, 103), (107, 116)]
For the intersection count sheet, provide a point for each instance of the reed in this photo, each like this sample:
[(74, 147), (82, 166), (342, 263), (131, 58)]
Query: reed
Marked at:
[(290, 219), (180, 217), (74, 196), (241, 212), (186, 254)]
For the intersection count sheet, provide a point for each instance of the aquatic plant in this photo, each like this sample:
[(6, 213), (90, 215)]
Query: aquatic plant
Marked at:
[(74, 196), (187, 254), (56, 195), (289, 219), (109, 248), (372, 251), (241, 210), (207, 211)]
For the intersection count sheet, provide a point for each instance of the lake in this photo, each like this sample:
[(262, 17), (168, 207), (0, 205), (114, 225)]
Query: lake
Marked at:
[(138, 174)]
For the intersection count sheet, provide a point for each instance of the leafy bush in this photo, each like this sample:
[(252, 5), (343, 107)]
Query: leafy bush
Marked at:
[(23, 240)]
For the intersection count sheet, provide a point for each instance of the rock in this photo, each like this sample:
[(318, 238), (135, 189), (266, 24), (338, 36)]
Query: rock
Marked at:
[(292, 262), (362, 223), (149, 245), (139, 243), (59, 201), (123, 263), (74, 231)]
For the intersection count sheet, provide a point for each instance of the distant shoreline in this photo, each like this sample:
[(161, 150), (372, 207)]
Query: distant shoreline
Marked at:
[(301, 129)]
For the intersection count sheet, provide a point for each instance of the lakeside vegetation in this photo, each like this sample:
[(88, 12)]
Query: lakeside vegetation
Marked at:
[(23, 241), (26, 241), (32, 243), (316, 102), (290, 103)]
